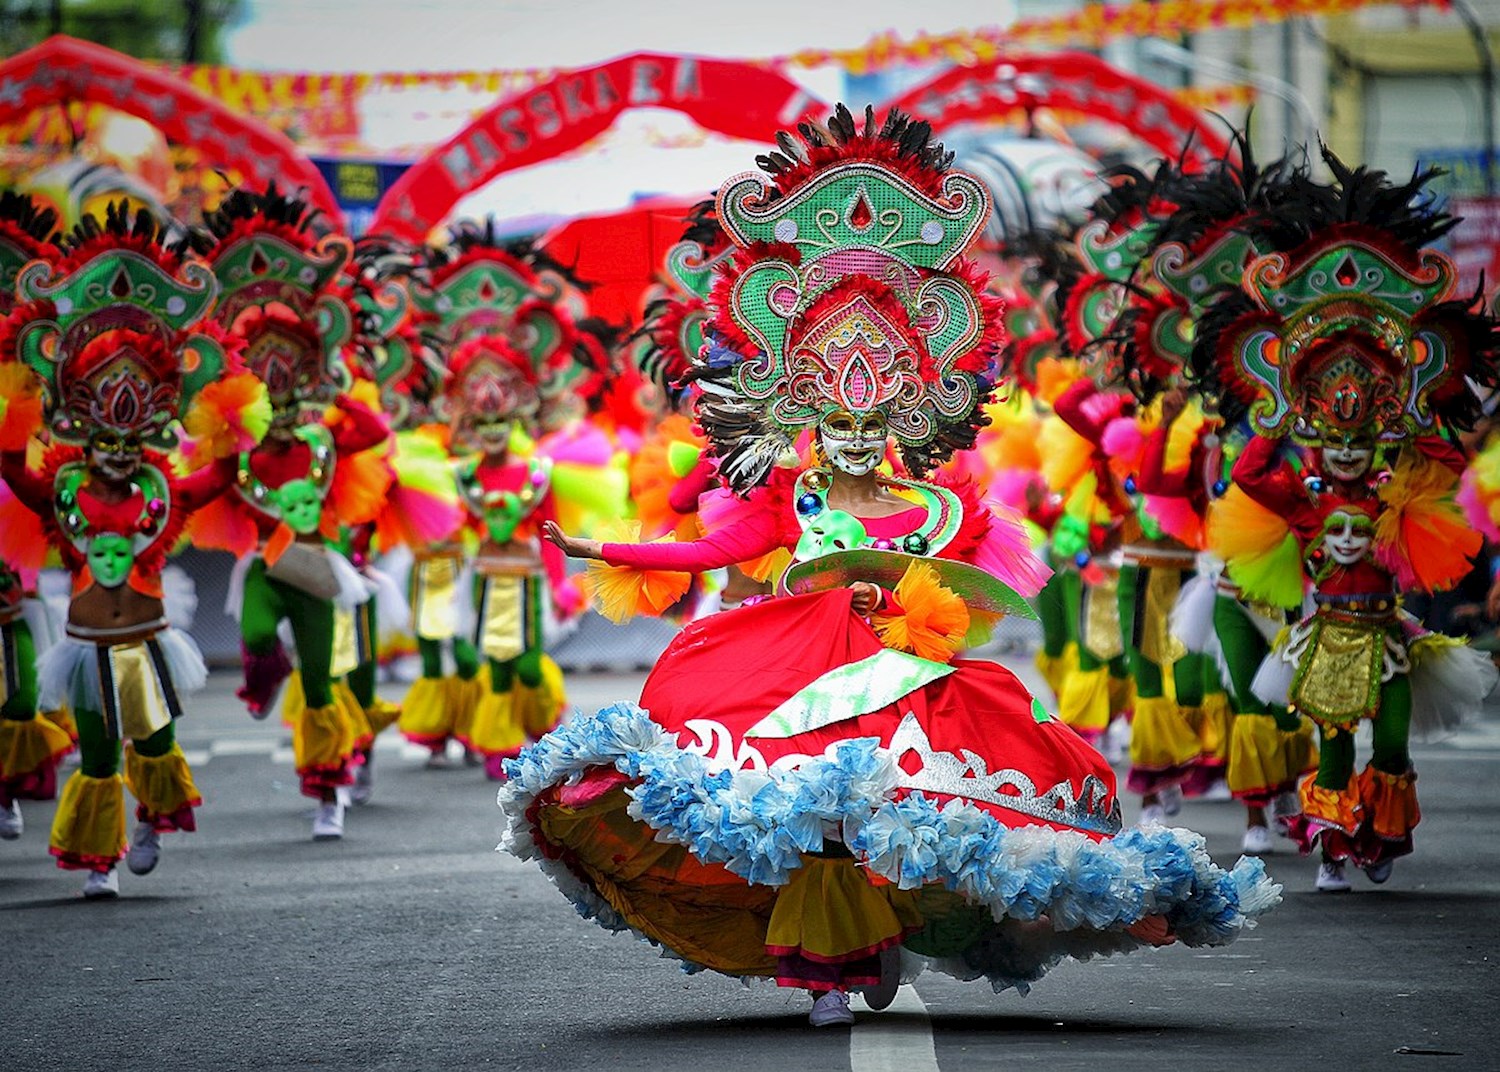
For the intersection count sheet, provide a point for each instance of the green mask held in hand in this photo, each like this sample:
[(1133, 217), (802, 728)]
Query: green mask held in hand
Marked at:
[(111, 558), (833, 530), (301, 506), (502, 513)]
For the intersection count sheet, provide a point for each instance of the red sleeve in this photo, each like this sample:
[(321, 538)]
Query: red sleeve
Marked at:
[(1069, 407), (1266, 477), (1443, 452), (360, 430), (35, 493), (1153, 479), (683, 498), (198, 489), (752, 537)]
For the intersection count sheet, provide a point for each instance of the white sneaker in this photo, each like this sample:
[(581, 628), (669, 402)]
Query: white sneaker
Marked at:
[(1152, 813), (101, 885), (1331, 878), (11, 824), (880, 996), (1378, 873), (1171, 799), (1218, 791), (145, 849), (328, 823), (438, 761), (1257, 840), (831, 1010), (364, 784)]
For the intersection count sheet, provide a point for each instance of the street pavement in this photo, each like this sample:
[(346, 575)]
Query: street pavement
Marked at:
[(412, 944)]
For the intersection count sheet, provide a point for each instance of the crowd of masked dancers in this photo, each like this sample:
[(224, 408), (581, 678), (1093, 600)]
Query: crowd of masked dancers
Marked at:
[(1213, 436)]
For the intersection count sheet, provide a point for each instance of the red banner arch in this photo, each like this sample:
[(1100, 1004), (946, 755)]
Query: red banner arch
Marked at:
[(62, 69), (739, 100), (1067, 81)]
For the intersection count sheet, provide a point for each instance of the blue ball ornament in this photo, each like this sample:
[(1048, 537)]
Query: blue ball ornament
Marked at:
[(809, 504), (1130, 485), (1221, 488), (1081, 559)]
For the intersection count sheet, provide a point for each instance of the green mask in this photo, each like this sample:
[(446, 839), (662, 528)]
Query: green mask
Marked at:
[(301, 506), (502, 513), (1069, 537), (832, 530), (110, 558)]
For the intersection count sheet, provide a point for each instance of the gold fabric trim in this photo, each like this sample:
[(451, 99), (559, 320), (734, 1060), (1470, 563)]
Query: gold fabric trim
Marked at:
[(502, 628), (1100, 620), (1157, 641), (139, 697), (434, 597)]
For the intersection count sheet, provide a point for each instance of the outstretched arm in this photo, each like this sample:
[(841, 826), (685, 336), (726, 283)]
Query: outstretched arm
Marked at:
[(750, 538)]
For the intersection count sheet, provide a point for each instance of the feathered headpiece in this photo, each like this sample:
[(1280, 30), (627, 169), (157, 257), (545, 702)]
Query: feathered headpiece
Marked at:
[(848, 290), (499, 310), (27, 233), (115, 332), (388, 348), (1197, 256), (673, 322), (281, 292), (1353, 332)]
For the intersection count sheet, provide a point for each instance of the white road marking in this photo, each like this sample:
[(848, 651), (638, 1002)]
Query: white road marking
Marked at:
[(882, 1042)]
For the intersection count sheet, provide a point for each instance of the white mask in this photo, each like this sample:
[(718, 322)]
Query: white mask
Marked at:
[(1347, 462), (1345, 543), (853, 444)]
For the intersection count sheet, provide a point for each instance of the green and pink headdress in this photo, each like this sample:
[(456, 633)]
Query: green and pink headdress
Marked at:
[(282, 291), (116, 332), (848, 290), (1356, 331)]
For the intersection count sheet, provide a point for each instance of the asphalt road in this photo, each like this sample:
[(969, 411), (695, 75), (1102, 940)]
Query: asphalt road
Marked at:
[(411, 944)]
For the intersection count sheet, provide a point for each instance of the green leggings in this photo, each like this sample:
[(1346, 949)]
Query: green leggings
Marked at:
[(1052, 611), (267, 602), (1193, 675), (527, 666), (1389, 754), (1244, 649), (464, 655), (20, 667), (100, 753)]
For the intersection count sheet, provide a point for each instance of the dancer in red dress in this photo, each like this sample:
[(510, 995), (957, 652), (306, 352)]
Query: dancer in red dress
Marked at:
[(815, 787)]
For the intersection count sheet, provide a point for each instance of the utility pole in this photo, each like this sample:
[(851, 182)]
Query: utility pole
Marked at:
[(55, 19), (192, 31)]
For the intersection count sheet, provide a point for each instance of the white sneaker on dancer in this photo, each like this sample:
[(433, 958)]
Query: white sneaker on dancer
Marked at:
[(145, 849), (1378, 873), (880, 996), (1257, 840), (1219, 790), (1152, 814), (328, 823), (101, 885), (11, 824), (831, 1010), (1115, 744), (1331, 877), (1171, 799)]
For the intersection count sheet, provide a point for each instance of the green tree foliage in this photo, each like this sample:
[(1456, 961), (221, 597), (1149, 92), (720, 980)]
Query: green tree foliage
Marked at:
[(186, 30)]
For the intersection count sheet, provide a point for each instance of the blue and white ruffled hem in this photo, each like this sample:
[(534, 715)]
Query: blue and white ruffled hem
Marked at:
[(757, 824)]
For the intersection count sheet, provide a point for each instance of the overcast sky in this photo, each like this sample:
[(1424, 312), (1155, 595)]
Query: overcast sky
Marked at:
[(393, 35)]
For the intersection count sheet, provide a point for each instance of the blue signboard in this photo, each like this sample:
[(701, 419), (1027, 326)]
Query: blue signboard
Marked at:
[(359, 185)]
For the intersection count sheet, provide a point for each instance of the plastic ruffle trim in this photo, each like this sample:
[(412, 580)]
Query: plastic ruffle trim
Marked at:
[(1082, 893)]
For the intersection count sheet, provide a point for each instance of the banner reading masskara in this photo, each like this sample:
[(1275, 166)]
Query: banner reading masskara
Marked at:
[(735, 99)]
